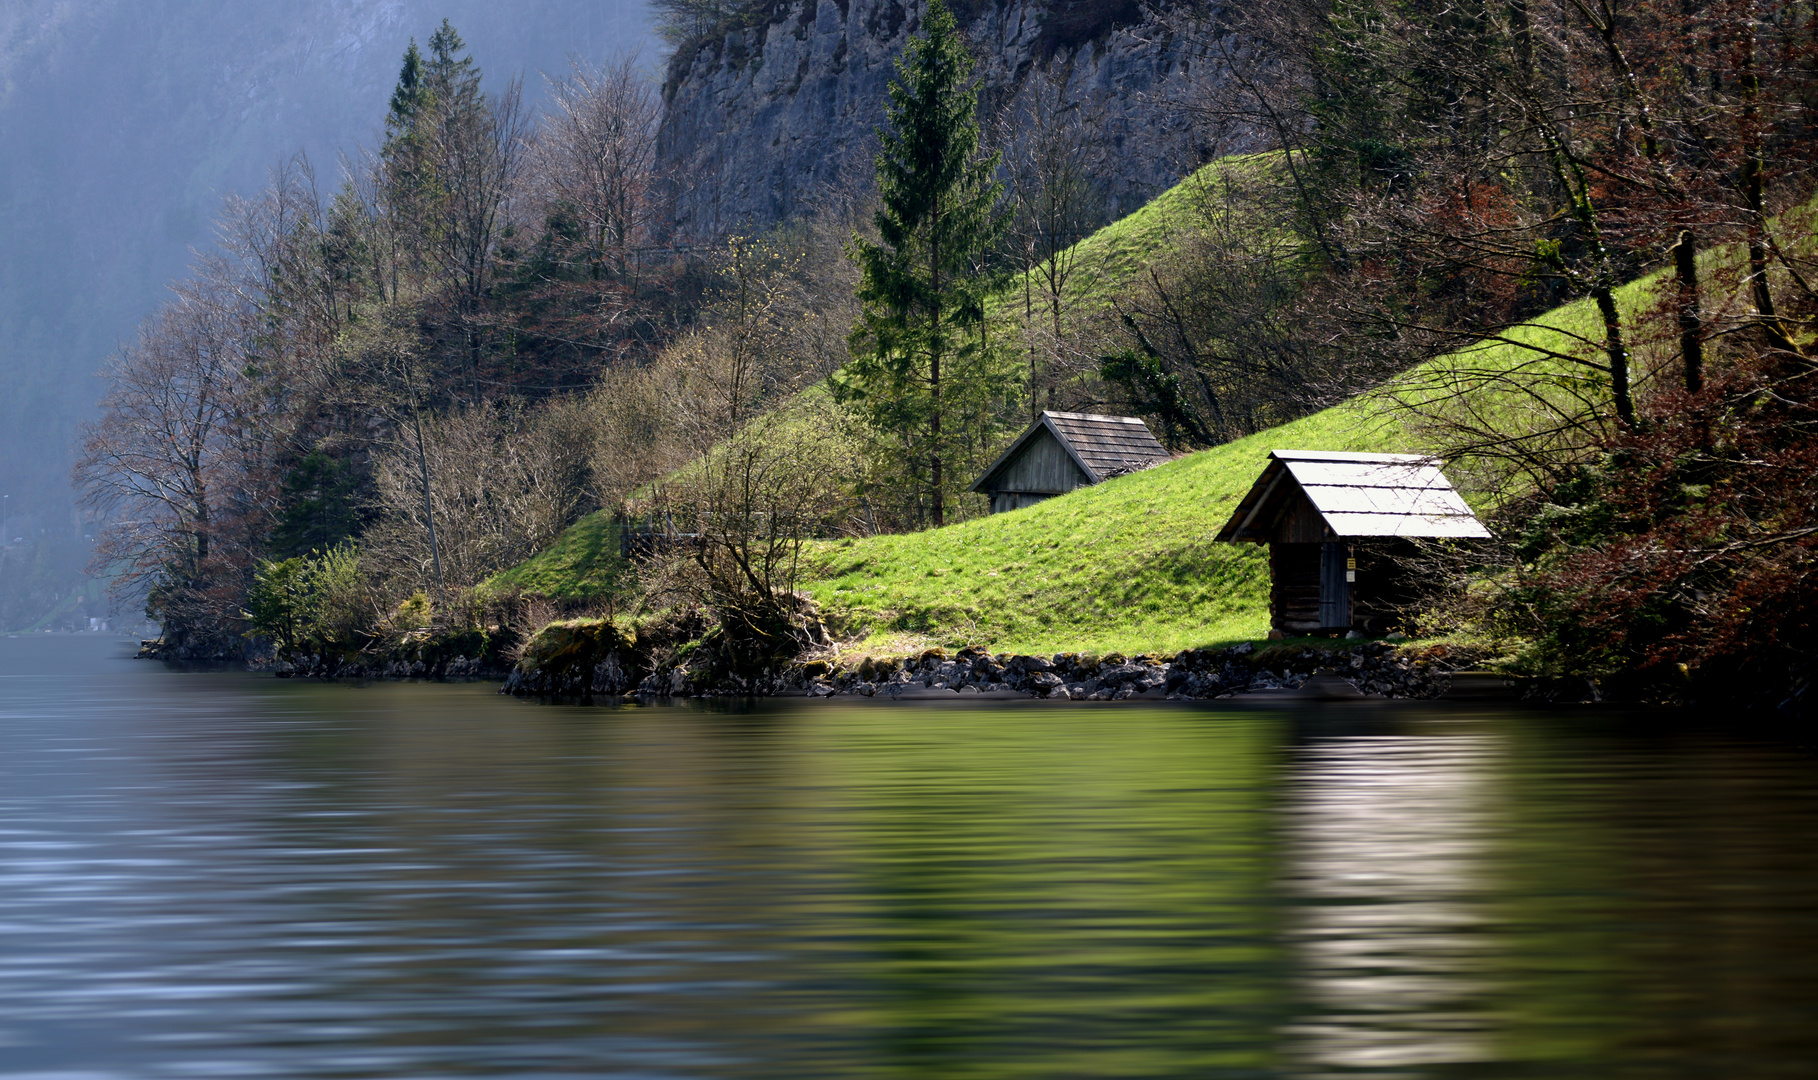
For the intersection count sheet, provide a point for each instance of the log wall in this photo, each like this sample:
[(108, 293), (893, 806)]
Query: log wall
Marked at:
[(1294, 587)]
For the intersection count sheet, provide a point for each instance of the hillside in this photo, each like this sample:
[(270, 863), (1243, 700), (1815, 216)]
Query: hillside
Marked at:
[(1129, 565), (1113, 257)]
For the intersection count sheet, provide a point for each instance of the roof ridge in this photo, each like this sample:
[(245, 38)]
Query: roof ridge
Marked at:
[(1093, 416), (1361, 456)]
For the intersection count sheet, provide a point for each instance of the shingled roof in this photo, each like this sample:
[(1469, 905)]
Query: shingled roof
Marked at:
[(1356, 494), (1102, 446)]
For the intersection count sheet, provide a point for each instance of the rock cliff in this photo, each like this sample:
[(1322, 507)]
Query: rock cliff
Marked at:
[(761, 124)]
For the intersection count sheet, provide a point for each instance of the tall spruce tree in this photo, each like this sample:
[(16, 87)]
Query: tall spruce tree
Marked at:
[(921, 365), (407, 177), (438, 112)]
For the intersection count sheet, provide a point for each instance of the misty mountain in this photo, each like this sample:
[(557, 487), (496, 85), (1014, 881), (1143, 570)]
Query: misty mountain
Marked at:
[(122, 125)]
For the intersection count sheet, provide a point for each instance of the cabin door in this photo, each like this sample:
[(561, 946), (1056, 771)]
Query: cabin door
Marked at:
[(1334, 586)]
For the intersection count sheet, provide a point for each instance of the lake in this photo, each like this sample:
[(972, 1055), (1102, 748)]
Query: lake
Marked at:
[(230, 875)]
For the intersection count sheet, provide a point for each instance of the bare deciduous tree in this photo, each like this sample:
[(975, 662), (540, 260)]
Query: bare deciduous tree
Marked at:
[(633, 436), (176, 461), (1048, 140), (478, 151), (596, 164), (744, 358), (503, 482), (742, 514)]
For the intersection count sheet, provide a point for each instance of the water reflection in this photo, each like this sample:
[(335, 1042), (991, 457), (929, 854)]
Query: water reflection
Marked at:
[(1386, 853), (224, 875)]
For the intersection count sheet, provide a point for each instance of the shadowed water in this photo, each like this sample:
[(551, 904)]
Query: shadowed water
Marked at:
[(229, 875)]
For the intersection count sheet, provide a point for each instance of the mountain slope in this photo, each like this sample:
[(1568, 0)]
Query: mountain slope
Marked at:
[(1130, 564)]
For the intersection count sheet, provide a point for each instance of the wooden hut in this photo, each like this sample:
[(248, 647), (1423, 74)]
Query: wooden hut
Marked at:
[(1062, 451), (1339, 528)]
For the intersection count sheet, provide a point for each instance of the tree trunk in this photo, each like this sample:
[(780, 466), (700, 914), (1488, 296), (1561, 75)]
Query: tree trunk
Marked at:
[(201, 525), (938, 505), (1691, 325), (429, 512), (1754, 198), (1618, 354), (1571, 177), (1029, 327)]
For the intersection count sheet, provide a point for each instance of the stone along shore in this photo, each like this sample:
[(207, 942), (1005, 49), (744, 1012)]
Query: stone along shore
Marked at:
[(1380, 669)]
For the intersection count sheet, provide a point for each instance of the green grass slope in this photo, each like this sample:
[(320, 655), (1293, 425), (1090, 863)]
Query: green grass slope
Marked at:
[(1129, 565), (1104, 263), (583, 566)]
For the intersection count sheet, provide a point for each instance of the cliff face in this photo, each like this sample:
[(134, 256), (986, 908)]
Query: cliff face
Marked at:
[(765, 123)]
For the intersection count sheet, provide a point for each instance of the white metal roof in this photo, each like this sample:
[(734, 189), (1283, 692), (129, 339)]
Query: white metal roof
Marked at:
[(1360, 494)]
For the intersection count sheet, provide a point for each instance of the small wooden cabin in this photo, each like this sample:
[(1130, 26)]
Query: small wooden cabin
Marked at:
[(1062, 451), (1339, 528)]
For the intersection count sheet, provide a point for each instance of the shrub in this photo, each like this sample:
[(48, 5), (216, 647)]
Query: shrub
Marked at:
[(313, 605), (1685, 564)]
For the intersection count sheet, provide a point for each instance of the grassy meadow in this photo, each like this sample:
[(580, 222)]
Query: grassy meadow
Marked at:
[(1131, 565)]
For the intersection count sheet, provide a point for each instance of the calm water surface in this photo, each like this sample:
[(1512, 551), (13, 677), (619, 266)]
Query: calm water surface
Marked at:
[(233, 876)]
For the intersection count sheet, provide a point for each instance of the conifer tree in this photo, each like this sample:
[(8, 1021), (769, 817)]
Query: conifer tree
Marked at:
[(438, 118), (407, 98), (407, 178), (921, 367), (448, 170), (450, 75)]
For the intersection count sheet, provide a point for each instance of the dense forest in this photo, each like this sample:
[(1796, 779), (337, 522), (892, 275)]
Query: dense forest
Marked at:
[(381, 390)]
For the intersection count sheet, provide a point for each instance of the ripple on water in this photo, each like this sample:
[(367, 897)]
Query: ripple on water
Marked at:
[(227, 875)]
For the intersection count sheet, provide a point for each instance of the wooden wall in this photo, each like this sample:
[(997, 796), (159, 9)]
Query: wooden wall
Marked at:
[(1043, 467), (1299, 522), (1378, 600), (1294, 587), (1014, 500)]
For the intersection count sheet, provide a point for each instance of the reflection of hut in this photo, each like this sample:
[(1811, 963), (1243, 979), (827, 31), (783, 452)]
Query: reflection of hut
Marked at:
[(1339, 528), (1062, 451)]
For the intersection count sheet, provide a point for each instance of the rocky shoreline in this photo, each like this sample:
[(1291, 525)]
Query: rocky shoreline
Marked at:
[(1374, 669), (435, 658), (586, 661)]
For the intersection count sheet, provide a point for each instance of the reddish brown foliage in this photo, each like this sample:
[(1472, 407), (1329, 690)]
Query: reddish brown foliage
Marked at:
[(1687, 565)]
